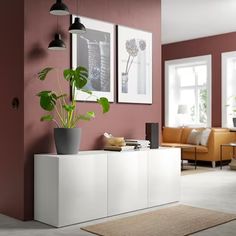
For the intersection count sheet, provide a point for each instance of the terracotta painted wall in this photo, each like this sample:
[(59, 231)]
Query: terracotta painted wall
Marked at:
[(213, 45), (123, 119), (12, 133)]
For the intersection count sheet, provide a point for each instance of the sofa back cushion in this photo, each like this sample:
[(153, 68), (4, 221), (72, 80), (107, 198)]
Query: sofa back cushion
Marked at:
[(220, 129), (194, 137), (172, 135), (205, 136), (185, 134)]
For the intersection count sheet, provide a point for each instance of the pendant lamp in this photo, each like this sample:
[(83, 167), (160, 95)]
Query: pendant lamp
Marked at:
[(77, 27), (59, 9), (57, 43)]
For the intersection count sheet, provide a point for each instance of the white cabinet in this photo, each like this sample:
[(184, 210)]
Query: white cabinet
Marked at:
[(46, 189), (72, 189), (163, 176), (127, 182)]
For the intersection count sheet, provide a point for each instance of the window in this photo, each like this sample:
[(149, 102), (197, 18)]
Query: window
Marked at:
[(228, 88), (188, 91)]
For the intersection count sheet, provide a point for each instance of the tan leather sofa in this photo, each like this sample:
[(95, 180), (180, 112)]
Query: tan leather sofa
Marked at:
[(179, 136)]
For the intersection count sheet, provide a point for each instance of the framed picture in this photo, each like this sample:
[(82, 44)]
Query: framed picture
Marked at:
[(134, 66), (95, 51)]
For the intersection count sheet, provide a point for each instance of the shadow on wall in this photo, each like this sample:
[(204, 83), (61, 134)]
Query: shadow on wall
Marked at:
[(99, 143), (37, 52), (41, 143)]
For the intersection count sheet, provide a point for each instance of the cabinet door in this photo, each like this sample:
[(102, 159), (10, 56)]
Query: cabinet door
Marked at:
[(127, 181), (82, 188), (164, 176)]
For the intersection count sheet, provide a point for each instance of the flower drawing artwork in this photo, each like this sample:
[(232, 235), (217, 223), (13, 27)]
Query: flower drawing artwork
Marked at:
[(135, 72), (133, 46), (142, 45)]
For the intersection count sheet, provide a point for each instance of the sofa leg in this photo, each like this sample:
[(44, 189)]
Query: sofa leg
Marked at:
[(213, 163)]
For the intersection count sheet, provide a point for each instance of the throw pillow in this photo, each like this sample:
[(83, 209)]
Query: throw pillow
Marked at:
[(194, 137), (205, 136)]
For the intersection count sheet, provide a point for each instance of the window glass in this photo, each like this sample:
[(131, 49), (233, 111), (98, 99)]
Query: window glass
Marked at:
[(201, 72), (202, 97), (188, 92), (228, 89), (186, 75)]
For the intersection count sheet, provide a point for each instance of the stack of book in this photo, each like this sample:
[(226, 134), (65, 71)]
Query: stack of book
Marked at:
[(138, 144), (118, 148), (116, 143)]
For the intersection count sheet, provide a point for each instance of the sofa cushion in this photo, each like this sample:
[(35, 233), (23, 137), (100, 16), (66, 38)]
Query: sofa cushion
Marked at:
[(185, 133), (187, 147), (194, 137), (202, 149), (172, 144), (172, 135), (199, 149), (205, 136)]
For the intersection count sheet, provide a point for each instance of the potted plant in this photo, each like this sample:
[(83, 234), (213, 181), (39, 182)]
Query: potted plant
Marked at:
[(232, 106), (63, 111)]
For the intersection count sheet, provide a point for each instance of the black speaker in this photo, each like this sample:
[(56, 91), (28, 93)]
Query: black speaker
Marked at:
[(152, 134)]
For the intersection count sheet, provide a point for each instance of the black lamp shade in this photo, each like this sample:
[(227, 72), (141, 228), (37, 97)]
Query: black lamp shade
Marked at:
[(59, 9), (77, 27), (57, 43)]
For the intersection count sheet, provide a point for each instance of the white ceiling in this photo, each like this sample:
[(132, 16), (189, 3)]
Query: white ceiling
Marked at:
[(190, 19)]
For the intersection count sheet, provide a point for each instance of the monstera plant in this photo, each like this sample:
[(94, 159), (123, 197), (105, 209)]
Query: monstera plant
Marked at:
[(62, 109)]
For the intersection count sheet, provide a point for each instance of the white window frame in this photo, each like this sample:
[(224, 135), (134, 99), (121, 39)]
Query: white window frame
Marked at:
[(224, 58), (171, 65)]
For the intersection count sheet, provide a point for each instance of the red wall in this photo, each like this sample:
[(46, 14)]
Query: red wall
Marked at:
[(12, 133), (213, 45), (123, 119)]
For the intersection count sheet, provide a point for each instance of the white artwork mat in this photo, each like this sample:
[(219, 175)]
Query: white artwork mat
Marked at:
[(95, 51), (134, 66)]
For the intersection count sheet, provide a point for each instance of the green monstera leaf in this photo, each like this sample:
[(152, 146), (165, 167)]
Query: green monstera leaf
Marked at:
[(81, 77), (87, 117), (104, 103), (69, 75), (69, 108), (48, 100), (46, 118), (43, 73), (77, 77)]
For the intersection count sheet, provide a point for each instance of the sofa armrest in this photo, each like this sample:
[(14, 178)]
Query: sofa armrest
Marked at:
[(216, 139)]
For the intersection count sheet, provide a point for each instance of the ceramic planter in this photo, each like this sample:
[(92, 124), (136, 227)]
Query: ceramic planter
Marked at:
[(67, 140)]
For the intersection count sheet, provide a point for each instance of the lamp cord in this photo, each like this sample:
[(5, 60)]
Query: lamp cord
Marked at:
[(78, 7), (57, 25)]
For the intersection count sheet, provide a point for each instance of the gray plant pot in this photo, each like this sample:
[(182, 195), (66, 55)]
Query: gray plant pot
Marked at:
[(234, 121), (67, 140)]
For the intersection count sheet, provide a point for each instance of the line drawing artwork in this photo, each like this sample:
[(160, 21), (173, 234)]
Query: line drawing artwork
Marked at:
[(95, 50), (98, 64)]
